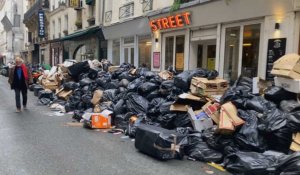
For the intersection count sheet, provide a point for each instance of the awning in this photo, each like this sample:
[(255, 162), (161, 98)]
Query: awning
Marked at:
[(133, 27), (83, 33), (89, 2)]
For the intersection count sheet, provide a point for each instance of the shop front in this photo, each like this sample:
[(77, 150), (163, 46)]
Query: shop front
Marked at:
[(242, 42), (56, 53), (129, 42)]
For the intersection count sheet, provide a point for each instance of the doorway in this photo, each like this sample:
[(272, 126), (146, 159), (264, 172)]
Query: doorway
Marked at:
[(129, 55), (173, 52), (203, 54)]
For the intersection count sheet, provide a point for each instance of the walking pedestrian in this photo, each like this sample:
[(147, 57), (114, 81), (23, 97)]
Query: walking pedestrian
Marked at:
[(20, 78)]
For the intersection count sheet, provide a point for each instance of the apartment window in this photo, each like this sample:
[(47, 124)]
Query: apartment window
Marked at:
[(66, 22), (108, 16), (145, 46), (147, 5), (53, 30), (126, 11), (59, 27), (116, 52)]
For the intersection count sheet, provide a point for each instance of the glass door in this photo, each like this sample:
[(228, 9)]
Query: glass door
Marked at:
[(174, 52), (129, 55)]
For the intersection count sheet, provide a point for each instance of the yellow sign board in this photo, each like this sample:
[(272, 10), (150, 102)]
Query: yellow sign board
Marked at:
[(211, 63), (74, 3), (179, 64)]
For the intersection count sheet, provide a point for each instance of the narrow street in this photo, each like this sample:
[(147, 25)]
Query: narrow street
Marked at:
[(39, 142)]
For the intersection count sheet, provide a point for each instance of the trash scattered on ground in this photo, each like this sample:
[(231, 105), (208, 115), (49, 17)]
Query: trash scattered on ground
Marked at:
[(250, 127)]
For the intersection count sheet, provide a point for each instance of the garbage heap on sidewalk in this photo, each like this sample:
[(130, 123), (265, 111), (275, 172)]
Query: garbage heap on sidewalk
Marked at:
[(245, 128)]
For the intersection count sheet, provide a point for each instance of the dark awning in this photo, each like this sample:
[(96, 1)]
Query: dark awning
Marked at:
[(89, 2), (83, 33)]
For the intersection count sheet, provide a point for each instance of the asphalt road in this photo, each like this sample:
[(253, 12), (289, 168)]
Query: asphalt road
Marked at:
[(38, 142)]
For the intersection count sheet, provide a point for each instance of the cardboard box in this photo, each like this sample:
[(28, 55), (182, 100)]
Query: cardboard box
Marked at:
[(179, 107), (166, 75), (295, 146), (200, 120), (291, 85), (225, 125), (47, 84), (113, 68), (232, 113), (204, 87), (287, 66), (64, 94), (98, 120), (212, 110), (97, 97)]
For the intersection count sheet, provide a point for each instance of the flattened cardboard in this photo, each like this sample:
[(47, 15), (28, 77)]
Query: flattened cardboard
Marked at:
[(287, 66), (291, 85), (225, 126), (113, 68), (231, 112), (97, 97), (179, 107), (204, 87)]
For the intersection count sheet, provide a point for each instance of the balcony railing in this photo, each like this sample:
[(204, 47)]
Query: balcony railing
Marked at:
[(126, 11), (108, 16), (147, 5), (35, 8)]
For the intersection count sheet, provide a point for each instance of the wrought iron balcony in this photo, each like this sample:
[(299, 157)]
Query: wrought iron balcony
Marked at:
[(126, 11), (40, 4)]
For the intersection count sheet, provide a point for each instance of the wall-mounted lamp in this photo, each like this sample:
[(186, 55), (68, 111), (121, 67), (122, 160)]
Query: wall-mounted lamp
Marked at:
[(277, 26), (156, 40)]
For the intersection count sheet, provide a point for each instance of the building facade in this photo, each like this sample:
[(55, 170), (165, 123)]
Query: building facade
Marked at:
[(236, 37), (76, 30), (11, 30), (127, 31)]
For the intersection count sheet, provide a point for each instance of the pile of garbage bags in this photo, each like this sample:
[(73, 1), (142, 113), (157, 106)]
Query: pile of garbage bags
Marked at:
[(141, 103)]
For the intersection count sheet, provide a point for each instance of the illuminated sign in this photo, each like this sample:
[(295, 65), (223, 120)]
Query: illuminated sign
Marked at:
[(41, 23), (170, 22), (74, 3)]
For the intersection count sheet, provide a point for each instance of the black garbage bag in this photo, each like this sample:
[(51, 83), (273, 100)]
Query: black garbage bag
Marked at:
[(109, 95), (124, 83), (289, 106), (120, 107), (133, 86), (71, 85), (165, 108), (46, 94), (156, 80), (106, 65), (156, 102), (121, 122), (132, 126), (157, 142), (199, 150), (149, 74), (37, 89), (74, 100), (252, 163), (78, 68), (44, 101), (127, 76), (85, 82), (114, 84), (103, 80), (78, 115), (213, 74), (166, 87), (289, 165), (87, 98), (248, 137), (85, 89), (279, 140), (77, 92), (31, 87), (137, 104), (182, 120), (182, 81), (277, 94), (140, 71), (81, 106), (152, 95), (273, 120), (259, 104), (167, 120), (147, 87), (93, 74), (293, 121)]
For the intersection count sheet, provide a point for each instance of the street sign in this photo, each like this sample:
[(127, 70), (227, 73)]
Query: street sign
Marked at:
[(41, 24)]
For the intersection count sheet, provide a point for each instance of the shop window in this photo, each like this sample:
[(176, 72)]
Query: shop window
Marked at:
[(145, 46), (116, 52), (231, 58), (241, 59), (169, 52), (251, 38), (179, 57), (200, 56)]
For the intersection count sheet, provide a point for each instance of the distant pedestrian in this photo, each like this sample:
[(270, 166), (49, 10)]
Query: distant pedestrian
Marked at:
[(19, 79)]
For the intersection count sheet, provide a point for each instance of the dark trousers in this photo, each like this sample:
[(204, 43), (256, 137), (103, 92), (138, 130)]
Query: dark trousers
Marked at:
[(18, 97)]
